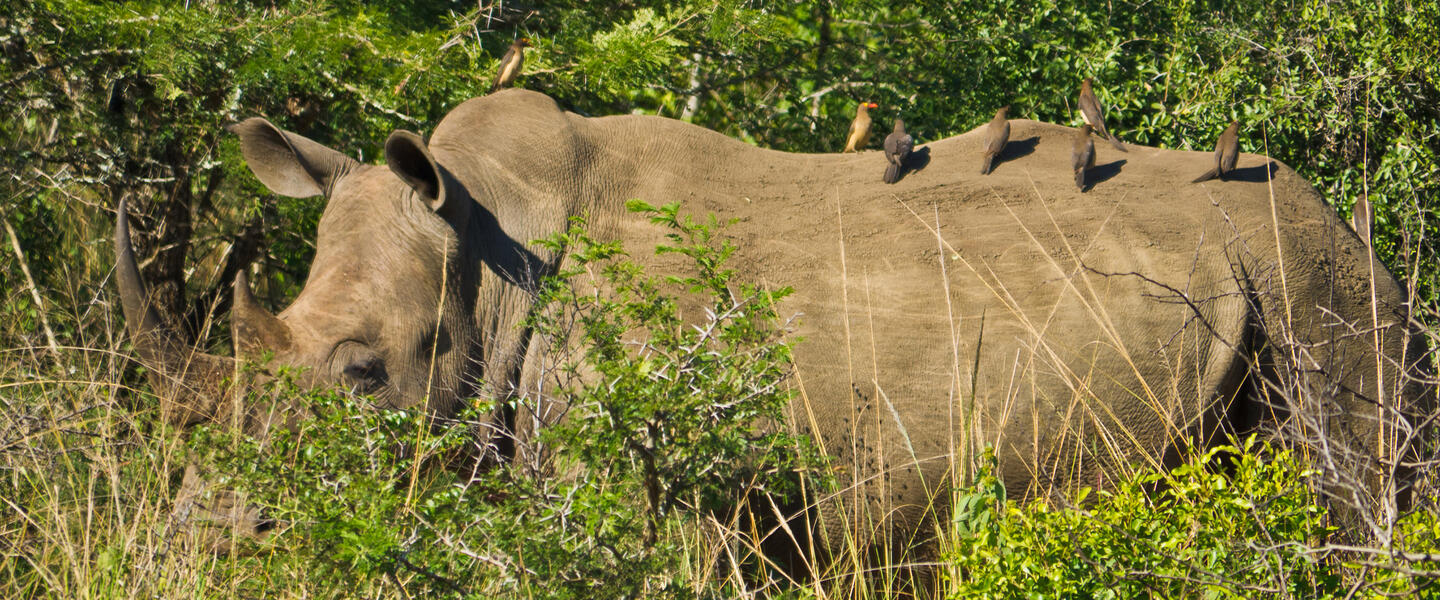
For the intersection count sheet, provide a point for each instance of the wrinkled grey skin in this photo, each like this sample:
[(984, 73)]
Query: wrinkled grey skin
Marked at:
[(1076, 334)]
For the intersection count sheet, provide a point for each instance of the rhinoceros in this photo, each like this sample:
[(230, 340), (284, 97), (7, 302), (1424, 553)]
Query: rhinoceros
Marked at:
[(1076, 334)]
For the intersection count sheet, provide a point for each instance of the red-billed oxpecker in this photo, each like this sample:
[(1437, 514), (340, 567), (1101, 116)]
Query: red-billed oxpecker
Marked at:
[(1094, 114), (897, 148), (510, 64), (1227, 150), (859, 134), (997, 134), (1082, 155)]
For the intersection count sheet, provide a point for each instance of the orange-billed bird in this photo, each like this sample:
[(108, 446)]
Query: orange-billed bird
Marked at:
[(1094, 114), (510, 64), (859, 128)]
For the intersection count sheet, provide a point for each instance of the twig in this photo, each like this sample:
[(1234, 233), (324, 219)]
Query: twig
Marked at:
[(1391, 552), (34, 291)]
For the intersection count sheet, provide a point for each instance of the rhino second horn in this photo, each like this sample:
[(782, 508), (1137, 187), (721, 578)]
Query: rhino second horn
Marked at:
[(190, 384), (253, 328), (146, 331)]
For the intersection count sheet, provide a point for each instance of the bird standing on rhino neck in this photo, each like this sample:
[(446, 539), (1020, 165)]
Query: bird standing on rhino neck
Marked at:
[(859, 134), (1227, 150), (510, 64), (997, 134), (1362, 219), (1094, 114), (897, 148), (1082, 155)]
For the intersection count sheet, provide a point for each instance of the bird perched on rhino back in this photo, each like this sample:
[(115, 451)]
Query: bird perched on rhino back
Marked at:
[(897, 148), (510, 64), (1094, 114), (997, 134), (1082, 155), (1362, 219), (1227, 150), (859, 128)]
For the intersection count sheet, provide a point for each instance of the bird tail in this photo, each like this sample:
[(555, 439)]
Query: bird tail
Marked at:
[(1113, 140), (892, 173), (1211, 174), (1080, 179), (988, 164)]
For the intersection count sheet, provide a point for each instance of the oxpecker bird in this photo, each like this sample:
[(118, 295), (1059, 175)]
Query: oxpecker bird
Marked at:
[(1227, 149), (1362, 218), (510, 64), (859, 128), (1094, 114), (1082, 155), (897, 148), (996, 135)]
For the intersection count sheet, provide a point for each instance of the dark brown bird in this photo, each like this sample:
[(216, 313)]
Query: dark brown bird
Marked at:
[(1361, 219), (1227, 150), (897, 148), (997, 134), (1094, 114), (1082, 155), (510, 64), (859, 128)]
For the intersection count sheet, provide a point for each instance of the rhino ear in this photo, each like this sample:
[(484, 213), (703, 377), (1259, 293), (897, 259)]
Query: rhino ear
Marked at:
[(410, 160), (287, 163)]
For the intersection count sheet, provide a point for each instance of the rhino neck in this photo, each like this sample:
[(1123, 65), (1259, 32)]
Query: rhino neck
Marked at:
[(517, 207), (661, 160), (537, 167)]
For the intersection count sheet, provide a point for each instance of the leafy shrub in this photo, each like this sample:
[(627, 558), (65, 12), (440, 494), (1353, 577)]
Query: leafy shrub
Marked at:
[(666, 431), (683, 413), (1236, 522)]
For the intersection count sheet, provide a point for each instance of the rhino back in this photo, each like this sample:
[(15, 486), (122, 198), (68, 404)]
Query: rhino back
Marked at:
[(1076, 333), (1094, 329)]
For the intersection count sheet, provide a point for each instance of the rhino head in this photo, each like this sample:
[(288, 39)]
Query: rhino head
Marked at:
[(389, 305)]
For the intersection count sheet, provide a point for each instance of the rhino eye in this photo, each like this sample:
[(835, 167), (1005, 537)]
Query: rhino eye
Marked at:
[(359, 367), (362, 368)]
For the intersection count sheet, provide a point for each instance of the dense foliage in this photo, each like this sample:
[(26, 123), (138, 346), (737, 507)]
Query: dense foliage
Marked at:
[(1233, 523), (662, 444)]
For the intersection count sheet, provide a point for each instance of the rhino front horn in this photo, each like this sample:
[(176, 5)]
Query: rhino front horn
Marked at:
[(190, 383)]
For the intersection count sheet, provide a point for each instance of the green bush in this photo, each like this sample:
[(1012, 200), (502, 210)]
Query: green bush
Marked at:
[(661, 436), (1236, 522)]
